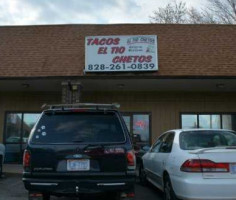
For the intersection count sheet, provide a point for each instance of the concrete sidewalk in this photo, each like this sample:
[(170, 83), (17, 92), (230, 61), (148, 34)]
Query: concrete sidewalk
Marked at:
[(12, 168)]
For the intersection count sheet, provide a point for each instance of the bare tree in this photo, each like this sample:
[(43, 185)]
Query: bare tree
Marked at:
[(217, 11), (173, 13), (200, 17), (223, 10)]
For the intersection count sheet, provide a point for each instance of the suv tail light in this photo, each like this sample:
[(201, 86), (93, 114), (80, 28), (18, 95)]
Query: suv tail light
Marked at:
[(131, 160), (26, 159), (203, 165)]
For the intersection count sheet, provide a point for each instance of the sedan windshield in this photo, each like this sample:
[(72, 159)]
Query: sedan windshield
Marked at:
[(191, 140)]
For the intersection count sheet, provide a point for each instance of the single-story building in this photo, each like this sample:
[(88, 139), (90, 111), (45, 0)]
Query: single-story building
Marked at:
[(163, 76)]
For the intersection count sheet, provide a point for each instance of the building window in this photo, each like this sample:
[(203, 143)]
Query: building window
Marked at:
[(209, 121), (127, 120), (139, 126), (18, 126), (189, 121)]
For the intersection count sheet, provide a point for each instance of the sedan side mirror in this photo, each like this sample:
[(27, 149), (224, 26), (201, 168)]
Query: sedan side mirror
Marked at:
[(146, 148)]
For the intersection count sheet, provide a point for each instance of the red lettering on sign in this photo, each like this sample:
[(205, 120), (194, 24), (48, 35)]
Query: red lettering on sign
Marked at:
[(141, 59), (116, 41), (89, 41), (115, 50), (149, 59), (134, 59), (102, 50), (115, 59), (95, 41), (103, 41)]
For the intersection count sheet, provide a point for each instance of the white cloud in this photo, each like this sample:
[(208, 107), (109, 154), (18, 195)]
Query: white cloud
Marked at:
[(14, 13), (21, 12)]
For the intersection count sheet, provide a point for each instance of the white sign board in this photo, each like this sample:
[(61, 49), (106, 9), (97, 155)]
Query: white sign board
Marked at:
[(121, 53)]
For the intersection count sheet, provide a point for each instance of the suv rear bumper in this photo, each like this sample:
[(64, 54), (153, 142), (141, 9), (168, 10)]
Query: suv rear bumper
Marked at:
[(78, 186)]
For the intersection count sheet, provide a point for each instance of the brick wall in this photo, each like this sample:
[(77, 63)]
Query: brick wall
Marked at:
[(58, 50)]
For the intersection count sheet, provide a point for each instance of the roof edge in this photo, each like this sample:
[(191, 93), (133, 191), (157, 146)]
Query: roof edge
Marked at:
[(118, 77), (115, 24)]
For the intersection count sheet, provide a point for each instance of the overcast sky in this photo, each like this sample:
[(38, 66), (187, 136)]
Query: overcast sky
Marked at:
[(27, 12)]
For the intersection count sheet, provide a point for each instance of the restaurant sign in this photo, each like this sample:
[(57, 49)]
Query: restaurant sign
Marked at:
[(121, 53)]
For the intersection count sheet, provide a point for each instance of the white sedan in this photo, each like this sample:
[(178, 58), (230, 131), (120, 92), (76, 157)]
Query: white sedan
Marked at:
[(196, 164)]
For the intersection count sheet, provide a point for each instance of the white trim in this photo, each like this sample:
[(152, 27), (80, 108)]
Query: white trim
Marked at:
[(110, 184), (45, 184)]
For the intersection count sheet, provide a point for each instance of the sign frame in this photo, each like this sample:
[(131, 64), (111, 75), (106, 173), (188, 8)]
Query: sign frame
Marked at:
[(104, 53)]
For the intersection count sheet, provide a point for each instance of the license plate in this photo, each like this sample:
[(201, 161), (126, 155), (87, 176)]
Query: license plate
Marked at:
[(78, 165), (233, 168)]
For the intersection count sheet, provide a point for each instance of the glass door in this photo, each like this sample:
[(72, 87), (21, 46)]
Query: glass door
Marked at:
[(139, 126), (17, 129), (13, 137)]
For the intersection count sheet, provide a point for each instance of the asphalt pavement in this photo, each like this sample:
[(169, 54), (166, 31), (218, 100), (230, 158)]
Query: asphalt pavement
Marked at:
[(12, 188)]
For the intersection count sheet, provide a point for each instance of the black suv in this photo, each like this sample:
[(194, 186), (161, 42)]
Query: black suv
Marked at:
[(81, 149)]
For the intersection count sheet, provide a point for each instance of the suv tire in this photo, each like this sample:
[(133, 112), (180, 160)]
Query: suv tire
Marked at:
[(117, 196), (169, 193), (46, 196)]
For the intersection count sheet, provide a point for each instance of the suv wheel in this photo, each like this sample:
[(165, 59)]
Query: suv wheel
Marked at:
[(169, 193), (115, 196), (1, 166), (118, 196), (46, 196), (142, 175)]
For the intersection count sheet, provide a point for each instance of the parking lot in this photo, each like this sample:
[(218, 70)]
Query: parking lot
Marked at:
[(11, 188)]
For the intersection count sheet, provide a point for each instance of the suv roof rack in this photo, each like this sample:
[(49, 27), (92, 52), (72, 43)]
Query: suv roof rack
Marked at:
[(82, 105)]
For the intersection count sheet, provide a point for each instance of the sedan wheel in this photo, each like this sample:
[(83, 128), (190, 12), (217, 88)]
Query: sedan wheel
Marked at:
[(169, 193)]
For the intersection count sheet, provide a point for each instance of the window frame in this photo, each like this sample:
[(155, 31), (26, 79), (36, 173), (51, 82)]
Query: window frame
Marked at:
[(204, 113), (131, 114), (181, 135), (84, 143), (161, 137), (21, 128), (167, 135)]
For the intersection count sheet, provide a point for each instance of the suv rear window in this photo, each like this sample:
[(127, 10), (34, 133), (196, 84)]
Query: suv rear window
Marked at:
[(190, 140), (78, 127)]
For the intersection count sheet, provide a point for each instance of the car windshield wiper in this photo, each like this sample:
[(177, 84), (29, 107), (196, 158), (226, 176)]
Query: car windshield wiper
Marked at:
[(89, 146), (94, 146)]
